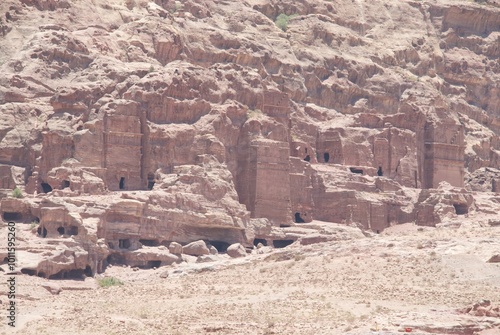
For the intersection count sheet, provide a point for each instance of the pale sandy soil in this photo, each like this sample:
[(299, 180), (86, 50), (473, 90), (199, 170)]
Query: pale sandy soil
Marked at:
[(406, 277)]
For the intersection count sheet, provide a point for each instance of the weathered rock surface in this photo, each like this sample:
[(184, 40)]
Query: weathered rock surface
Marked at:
[(153, 122), (236, 250)]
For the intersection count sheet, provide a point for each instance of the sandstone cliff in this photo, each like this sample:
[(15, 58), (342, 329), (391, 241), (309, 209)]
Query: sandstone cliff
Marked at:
[(131, 124)]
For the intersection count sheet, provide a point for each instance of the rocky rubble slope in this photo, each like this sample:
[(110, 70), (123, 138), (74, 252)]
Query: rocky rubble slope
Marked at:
[(128, 125)]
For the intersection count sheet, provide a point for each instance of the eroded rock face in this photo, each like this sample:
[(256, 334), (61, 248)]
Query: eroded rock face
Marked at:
[(156, 123)]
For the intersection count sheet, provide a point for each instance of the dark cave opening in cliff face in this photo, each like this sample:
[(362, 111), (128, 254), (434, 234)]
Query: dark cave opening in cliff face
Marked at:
[(121, 185), (282, 243), (75, 274), (380, 173), (461, 209), (149, 243), (219, 245), (326, 157), (42, 231), (12, 216), (88, 271), (151, 265), (259, 240), (124, 243), (356, 171), (65, 184), (46, 188), (72, 230), (61, 230), (307, 158), (115, 259), (298, 218)]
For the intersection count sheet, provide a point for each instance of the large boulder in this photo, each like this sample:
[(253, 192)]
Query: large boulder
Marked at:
[(196, 248), (236, 250), (175, 248)]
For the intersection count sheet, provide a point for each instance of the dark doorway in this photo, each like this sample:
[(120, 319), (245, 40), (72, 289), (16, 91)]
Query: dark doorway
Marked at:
[(282, 243), (326, 157), (122, 183), (355, 170), (88, 271), (259, 240), (72, 230), (124, 244), (42, 231), (12, 216), (461, 209), (46, 188), (151, 181), (60, 230), (65, 184), (298, 218), (307, 158), (220, 245), (115, 259), (380, 173)]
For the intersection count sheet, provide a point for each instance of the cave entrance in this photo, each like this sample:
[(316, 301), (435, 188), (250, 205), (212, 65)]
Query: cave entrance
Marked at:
[(65, 184), (150, 243), (307, 158), (12, 216), (282, 243), (72, 230), (220, 245), (42, 231), (60, 230), (356, 170), (298, 218), (88, 271), (151, 181), (46, 188), (326, 157), (121, 185), (115, 259), (77, 274), (461, 209), (380, 173), (124, 243), (152, 264), (259, 240)]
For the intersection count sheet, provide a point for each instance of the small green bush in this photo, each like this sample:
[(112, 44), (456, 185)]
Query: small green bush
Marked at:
[(109, 281), (282, 21), (16, 193)]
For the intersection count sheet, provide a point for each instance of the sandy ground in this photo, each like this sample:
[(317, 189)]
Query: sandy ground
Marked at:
[(406, 277)]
